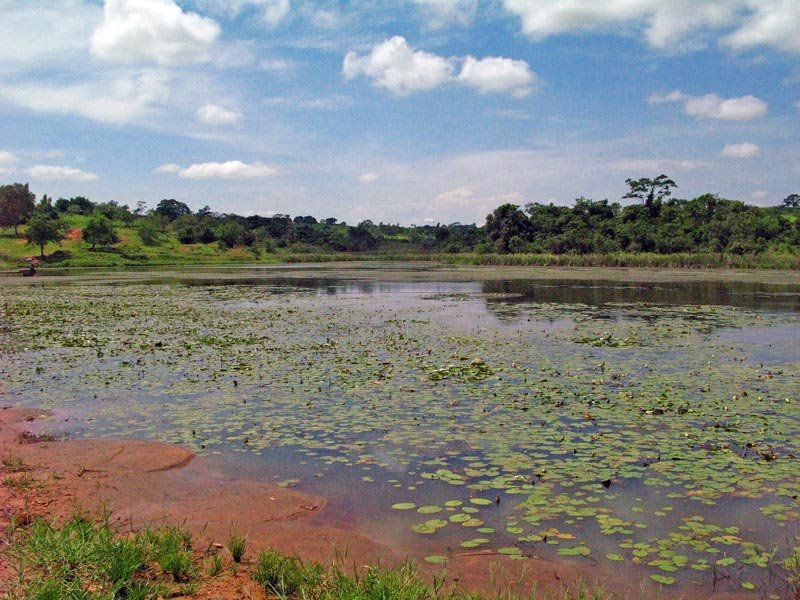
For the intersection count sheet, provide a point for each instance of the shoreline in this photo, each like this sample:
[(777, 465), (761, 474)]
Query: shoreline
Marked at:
[(144, 484)]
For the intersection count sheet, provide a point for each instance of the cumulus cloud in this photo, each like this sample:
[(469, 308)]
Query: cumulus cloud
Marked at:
[(8, 163), (441, 13), (232, 169), (745, 150), (153, 31), (712, 106), (118, 99), (498, 75), (59, 173), (772, 23), (395, 66), (368, 177), (668, 24), (211, 114)]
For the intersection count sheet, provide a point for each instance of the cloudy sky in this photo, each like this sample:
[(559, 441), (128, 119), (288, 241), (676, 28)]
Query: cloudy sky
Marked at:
[(406, 111)]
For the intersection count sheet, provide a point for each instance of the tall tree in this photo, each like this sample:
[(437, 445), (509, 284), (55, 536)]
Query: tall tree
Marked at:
[(16, 205), (507, 221), (44, 228), (100, 230), (172, 209), (650, 191), (791, 201)]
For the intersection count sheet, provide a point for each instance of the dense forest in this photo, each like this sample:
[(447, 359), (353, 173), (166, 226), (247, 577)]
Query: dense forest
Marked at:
[(651, 221)]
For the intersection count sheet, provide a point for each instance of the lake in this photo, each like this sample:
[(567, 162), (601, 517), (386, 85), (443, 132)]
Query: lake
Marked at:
[(645, 422)]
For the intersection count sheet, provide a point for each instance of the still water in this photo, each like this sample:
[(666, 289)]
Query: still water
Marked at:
[(650, 427)]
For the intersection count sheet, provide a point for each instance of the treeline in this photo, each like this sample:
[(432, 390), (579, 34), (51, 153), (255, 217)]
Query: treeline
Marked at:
[(655, 223)]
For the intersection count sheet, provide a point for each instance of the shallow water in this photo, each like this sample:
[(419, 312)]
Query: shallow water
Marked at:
[(649, 427)]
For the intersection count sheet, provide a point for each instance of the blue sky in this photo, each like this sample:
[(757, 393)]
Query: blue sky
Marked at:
[(409, 111)]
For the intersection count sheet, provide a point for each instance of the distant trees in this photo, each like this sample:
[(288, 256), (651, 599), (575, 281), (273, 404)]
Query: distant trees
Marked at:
[(658, 224), (43, 228), (171, 209), (100, 230), (650, 191), (17, 203), (506, 223), (792, 201)]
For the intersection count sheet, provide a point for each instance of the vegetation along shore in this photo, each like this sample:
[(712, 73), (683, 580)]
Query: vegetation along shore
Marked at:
[(652, 230)]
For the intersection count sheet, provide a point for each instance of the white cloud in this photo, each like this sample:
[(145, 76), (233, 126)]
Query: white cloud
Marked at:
[(772, 23), (712, 106), (668, 24), (441, 13), (498, 75), (232, 169), (211, 114), (462, 196), (368, 177), (168, 168), (119, 99), (394, 65), (8, 163), (59, 173), (68, 25), (275, 11), (745, 150), (759, 195), (153, 31)]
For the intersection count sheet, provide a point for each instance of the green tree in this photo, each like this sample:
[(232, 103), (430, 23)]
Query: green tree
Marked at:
[(650, 191), (172, 209), (17, 203), (507, 221), (791, 201), (100, 230), (44, 228), (230, 234)]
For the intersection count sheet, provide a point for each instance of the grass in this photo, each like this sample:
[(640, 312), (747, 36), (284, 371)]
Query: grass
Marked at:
[(236, 546), (13, 464), (82, 559), (85, 560)]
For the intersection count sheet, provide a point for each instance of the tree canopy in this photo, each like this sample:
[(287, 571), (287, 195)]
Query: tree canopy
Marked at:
[(17, 203), (100, 230), (44, 228)]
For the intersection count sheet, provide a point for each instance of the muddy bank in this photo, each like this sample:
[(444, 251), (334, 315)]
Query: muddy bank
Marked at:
[(141, 484)]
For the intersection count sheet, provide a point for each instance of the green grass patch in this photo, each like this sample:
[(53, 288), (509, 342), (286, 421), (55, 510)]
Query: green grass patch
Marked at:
[(82, 559)]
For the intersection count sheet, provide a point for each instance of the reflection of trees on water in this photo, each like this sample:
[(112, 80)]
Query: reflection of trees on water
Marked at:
[(511, 300)]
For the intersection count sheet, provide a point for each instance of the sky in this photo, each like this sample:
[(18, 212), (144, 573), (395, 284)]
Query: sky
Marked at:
[(402, 111)]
